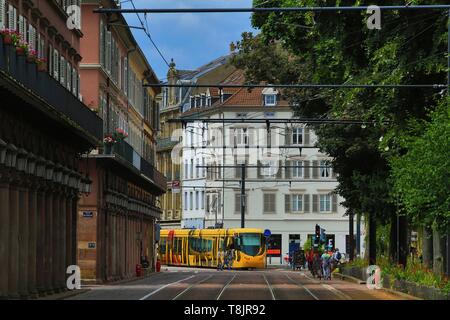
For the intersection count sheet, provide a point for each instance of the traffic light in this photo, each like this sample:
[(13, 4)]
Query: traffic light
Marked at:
[(317, 231), (317, 236)]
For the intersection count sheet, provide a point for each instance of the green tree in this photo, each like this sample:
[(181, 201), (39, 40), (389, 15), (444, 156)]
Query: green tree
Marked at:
[(337, 47)]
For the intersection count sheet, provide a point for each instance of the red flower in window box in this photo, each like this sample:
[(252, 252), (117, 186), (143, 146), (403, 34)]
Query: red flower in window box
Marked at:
[(32, 56), (120, 134), (10, 36), (41, 64), (22, 49)]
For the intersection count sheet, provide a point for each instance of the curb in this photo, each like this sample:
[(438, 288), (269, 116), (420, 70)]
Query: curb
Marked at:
[(349, 278), (394, 292), (401, 294)]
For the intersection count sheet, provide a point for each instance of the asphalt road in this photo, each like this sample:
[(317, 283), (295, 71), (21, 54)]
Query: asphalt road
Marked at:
[(204, 284)]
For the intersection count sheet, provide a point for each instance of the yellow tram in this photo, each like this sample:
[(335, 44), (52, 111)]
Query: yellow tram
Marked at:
[(207, 247)]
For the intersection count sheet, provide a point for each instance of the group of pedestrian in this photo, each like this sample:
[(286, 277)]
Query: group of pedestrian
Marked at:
[(321, 265), (330, 260)]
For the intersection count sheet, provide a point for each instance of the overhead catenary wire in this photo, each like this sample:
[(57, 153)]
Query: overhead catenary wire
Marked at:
[(147, 32), (275, 10), (300, 86)]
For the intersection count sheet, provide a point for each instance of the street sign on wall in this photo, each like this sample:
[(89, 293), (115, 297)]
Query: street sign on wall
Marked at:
[(176, 186)]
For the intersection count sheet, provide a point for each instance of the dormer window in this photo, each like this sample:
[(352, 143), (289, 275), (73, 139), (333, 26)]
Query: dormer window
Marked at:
[(270, 97), (270, 100), (192, 102)]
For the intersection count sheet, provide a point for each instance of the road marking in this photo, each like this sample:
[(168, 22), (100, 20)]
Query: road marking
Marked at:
[(223, 289), (337, 292), (191, 286), (270, 287), (331, 288), (163, 287), (302, 286)]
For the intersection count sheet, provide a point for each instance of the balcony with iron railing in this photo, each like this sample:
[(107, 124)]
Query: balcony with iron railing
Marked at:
[(138, 164), (165, 144), (23, 78)]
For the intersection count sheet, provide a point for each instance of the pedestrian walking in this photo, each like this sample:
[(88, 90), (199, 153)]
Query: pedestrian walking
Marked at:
[(326, 265)]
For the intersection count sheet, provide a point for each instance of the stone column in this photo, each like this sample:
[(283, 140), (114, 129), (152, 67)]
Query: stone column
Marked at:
[(13, 272), (74, 210), (4, 232), (62, 240), (23, 239), (68, 226), (55, 240), (41, 235), (48, 252), (32, 244)]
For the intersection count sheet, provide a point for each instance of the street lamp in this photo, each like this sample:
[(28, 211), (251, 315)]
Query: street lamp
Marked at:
[(72, 179), (66, 176), (3, 145), (40, 167), (21, 164), (49, 168), (58, 174), (31, 166), (11, 156), (87, 185)]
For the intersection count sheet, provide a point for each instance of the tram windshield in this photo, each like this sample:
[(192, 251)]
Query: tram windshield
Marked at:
[(249, 243)]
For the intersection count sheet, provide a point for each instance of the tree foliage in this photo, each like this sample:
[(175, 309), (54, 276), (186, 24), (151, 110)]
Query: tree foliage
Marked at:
[(422, 174), (338, 48)]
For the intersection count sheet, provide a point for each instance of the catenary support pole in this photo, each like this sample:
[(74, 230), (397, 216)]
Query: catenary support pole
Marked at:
[(351, 236), (243, 204)]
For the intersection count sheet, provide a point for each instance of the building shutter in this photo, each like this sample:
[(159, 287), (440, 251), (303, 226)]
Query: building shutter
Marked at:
[(50, 59), (12, 18), (74, 81), (306, 169), (287, 203), (288, 137), (125, 76), (56, 64), (315, 203), (32, 37), (22, 26), (288, 170), (315, 169), (78, 87), (2, 14), (69, 76), (306, 204), (306, 138), (237, 203), (102, 43), (62, 71), (334, 202)]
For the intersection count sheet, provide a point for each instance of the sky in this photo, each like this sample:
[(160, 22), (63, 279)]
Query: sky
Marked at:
[(191, 39)]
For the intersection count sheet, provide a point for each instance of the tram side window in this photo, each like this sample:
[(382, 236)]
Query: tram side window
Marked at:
[(177, 246), (195, 244)]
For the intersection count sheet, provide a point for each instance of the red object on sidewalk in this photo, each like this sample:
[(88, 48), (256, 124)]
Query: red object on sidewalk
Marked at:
[(138, 270), (158, 266)]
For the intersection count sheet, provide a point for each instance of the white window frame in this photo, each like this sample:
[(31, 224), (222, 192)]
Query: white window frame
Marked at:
[(297, 199), (297, 134), (298, 170), (271, 103), (325, 203)]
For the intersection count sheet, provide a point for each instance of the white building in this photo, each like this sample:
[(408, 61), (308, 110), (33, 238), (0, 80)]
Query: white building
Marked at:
[(289, 183)]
